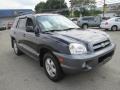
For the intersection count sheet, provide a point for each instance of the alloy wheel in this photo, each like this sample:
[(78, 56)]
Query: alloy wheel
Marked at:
[(50, 67)]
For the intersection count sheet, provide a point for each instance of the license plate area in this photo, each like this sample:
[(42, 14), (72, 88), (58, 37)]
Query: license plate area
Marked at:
[(105, 57)]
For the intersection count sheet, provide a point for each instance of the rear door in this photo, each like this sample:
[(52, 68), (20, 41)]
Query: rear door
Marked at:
[(91, 21), (98, 20), (20, 32)]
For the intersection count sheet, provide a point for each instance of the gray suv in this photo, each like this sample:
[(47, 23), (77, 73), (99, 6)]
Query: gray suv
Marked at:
[(89, 21), (60, 45)]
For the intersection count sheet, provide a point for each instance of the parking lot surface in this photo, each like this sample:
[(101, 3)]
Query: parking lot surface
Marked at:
[(23, 73)]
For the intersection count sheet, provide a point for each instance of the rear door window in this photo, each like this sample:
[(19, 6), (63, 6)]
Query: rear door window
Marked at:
[(88, 19), (29, 22), (117, 20), (91, 19), (85, 19), (22, 24)]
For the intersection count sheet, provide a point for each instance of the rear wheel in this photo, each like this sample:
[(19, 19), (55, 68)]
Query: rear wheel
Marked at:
[(85, 26), (52, 67), (16, 49), (114, 28)]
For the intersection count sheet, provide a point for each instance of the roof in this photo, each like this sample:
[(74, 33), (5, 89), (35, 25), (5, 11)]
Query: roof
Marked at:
[(40, 14), (114, 4), (14, 12)]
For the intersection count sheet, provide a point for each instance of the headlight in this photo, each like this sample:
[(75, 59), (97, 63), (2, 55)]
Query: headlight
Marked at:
[(77, 48)]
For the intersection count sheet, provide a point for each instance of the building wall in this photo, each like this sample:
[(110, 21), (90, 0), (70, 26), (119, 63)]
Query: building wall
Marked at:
[(7, 16), (14, 12), (111, 10), (113, 7), (4, 21)]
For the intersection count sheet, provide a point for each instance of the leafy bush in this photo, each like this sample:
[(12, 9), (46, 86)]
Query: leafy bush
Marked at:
[(76, 13)]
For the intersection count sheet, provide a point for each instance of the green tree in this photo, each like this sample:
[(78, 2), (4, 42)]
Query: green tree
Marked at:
[(85, 12), (85, 6), (84, 2), (50, 5), (65, 13), (40, 7), (76, 13), (56, 4), (96, 12)]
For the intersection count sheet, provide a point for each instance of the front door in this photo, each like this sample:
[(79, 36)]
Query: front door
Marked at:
[(31, 40)]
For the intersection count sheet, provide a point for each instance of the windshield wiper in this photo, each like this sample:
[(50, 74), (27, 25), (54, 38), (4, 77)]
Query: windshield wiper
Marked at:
[(52, 30), (70, 28), (61, 29)]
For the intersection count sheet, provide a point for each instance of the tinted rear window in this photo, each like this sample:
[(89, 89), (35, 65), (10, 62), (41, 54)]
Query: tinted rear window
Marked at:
[(88, 18), (21, 23)]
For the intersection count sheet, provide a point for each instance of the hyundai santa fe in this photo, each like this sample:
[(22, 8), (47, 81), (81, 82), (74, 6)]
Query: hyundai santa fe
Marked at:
[(60, 45)]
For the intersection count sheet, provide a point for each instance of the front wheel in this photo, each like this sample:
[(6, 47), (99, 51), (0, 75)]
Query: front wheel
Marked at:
[(85, 26), (114, 28), (52, 67)]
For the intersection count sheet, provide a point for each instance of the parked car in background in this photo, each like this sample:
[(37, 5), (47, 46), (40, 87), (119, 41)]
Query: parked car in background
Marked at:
[(74, 20), (2, 26), (89, 21), (111, 24), (59, 44), (9, 25)]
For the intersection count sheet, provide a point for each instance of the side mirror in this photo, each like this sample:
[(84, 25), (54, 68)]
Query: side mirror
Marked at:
[(37, 32), (29, 29)]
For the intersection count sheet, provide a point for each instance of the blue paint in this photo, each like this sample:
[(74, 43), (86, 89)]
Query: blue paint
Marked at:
[(14, 12)]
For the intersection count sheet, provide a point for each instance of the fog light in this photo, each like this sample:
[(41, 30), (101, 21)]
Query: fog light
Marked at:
[(86, 66)]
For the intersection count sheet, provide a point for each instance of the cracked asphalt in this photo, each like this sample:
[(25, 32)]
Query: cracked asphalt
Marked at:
[(23, 73)]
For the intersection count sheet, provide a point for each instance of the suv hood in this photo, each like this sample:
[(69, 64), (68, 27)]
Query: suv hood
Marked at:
[(89, 35)]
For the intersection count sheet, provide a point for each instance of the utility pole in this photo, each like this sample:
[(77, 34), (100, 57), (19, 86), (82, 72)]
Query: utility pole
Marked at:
[(71, 1), (60, 4), (104, 6)]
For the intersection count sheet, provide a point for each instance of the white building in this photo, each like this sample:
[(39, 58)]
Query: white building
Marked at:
[(115, 8), (112, 10)]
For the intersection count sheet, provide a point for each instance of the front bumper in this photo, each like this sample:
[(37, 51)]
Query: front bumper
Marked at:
[(76, 63)]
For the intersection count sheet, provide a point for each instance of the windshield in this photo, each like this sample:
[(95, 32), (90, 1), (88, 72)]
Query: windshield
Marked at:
[(55, 22)]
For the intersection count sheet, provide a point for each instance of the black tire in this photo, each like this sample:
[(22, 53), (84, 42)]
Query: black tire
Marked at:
[(59, 73), (17, 51), (85, 26), (114, 28), (106, 29)]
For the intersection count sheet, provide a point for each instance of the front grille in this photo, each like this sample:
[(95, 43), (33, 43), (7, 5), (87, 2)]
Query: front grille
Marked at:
[(101, 45)]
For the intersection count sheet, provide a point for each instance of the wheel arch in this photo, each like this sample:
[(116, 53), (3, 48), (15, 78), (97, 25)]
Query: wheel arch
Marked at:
[(85, 24), (114, 26), (12, 39), (42, 51)]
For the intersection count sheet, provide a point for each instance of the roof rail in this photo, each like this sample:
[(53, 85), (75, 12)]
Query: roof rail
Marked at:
[(26, 13)]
